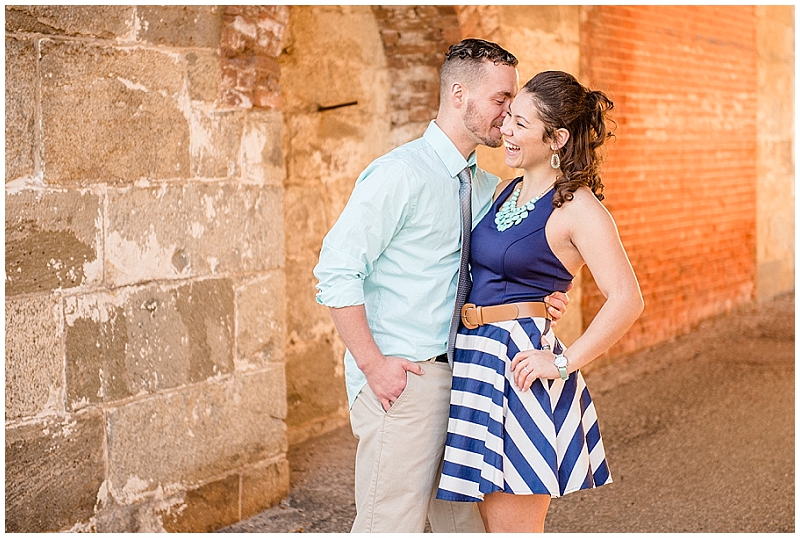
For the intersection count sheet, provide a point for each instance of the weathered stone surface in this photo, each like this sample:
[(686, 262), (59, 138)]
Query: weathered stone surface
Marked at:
[(266, 391), (194, 434), (54, 471), (321, 158), (305, 318), (115, 517), (199, 26), (331, 57), (775, 33), (264, 486), (314, 352), (262, 156), (251, 39), (104, 22), (480, 21), (332, 147), (112, 114), (34, 357), (192, 230), (133, 341), (205, 509), (53, 240), (20, 112), (306, 204), (552, 40), (775, 222), (216, 141), (204, 75), (260, 320), (257, 29), (146, 515), (314, 382)]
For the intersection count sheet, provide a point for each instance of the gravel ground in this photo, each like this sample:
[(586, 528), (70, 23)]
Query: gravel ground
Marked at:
[(699, 435)]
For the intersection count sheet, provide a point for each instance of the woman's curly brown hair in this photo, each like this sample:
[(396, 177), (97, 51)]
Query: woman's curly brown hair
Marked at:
[(563, 103)]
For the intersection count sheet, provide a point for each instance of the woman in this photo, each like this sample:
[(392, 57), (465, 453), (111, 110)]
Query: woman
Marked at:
[(522, 425)]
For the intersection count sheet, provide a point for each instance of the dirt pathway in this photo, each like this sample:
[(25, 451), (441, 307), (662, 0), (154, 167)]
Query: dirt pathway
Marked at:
[(699, 435)]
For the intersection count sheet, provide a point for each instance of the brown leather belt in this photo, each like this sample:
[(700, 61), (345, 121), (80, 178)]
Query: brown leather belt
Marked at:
[(474, 316)]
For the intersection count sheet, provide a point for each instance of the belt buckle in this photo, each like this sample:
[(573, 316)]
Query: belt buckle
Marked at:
[(466, 312)]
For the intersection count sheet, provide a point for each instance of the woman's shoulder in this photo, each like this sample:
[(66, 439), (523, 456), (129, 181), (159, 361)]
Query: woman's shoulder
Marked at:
[(582, 199), (584, 206), (585, 195)]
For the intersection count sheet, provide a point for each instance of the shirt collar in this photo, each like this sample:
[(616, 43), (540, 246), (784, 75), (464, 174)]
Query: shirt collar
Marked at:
[(447, 151)]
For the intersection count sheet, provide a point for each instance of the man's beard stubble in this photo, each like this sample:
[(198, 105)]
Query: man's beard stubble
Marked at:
[(473, 123)]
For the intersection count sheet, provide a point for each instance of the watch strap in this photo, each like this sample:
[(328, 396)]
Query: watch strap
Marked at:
[(562, 370)]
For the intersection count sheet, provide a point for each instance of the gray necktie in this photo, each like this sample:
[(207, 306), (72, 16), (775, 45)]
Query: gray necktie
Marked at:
[(464, 280)]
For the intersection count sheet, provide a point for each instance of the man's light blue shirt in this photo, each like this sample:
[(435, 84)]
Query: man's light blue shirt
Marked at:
[(396, 246)]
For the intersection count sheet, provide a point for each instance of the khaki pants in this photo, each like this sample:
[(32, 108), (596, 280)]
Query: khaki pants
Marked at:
[(399, 459)]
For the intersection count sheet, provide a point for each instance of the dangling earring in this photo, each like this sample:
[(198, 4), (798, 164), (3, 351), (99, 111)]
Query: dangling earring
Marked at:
[(555, 161)]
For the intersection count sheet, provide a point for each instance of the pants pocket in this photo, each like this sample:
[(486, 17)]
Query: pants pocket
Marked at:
[(403, 395)]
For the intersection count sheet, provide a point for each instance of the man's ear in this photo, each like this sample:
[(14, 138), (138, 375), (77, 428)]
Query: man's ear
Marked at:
[(560, 138), (458, 94)]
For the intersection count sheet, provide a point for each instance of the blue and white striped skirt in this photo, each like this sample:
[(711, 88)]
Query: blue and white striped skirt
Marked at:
[(542, 441)]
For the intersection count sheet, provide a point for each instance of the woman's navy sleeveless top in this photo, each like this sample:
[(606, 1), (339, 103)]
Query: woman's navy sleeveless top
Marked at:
[(516, 264)]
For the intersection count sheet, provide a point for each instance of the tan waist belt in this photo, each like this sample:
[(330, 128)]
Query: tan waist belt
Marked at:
[(474, 316)]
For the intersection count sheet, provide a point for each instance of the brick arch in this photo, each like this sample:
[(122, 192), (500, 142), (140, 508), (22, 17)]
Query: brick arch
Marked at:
[(415, 39)]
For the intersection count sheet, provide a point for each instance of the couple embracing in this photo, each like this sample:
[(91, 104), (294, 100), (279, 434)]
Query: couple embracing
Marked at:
[(445, 283)]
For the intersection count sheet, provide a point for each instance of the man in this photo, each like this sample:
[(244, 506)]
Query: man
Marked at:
[(388, 271)]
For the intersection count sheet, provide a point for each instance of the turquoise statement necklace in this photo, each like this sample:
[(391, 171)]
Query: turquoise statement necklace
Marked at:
[(511, 215)]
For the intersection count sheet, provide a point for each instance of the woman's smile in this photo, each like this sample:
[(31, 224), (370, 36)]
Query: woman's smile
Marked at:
[(511, 149)]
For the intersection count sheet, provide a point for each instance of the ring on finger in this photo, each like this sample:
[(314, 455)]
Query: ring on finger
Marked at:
[(525, 367), (546, 347)]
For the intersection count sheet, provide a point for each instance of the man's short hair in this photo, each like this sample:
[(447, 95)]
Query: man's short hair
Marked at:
[(464, 61)]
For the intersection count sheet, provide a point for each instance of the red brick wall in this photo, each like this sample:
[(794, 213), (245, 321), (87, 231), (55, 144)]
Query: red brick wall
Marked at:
[(681, 176), (249, 47), (415, 36)]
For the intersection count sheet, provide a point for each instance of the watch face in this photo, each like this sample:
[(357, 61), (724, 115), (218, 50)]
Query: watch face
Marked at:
[(560, 361)]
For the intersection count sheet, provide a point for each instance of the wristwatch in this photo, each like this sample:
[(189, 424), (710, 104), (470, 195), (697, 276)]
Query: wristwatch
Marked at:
[(561, 363)]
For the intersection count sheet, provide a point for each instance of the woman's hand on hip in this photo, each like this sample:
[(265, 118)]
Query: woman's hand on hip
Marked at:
[(557, 304), (533, 364)]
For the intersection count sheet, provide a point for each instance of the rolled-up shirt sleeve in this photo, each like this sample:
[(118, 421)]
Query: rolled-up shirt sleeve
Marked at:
[(341, 278), (376, 210)]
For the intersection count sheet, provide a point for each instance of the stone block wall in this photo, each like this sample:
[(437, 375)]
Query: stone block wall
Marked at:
[(145, 268)]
